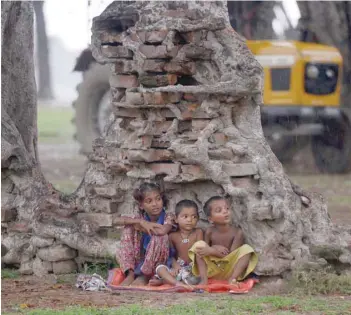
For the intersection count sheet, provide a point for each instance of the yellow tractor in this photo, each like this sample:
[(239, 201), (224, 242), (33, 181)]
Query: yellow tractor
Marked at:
[(301, 101)]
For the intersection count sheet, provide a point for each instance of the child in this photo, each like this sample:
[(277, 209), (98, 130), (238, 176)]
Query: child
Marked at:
[(187, 216), (223, 255), (144, 241)]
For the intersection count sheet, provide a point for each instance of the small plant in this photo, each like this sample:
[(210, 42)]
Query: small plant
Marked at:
[(9, 274), (321, 281)]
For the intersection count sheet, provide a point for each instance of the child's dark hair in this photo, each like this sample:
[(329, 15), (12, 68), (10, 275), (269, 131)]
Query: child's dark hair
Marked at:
[(139, 193), (207, 206), (185, 204)]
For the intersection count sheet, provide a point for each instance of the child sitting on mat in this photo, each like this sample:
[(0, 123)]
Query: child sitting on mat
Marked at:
[(223, 255), (187, 216)]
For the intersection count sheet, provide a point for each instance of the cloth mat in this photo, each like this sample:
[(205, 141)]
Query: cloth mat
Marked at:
[(116, 276)]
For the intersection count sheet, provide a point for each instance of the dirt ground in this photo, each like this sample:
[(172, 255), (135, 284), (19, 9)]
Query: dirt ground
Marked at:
[(64, 167)]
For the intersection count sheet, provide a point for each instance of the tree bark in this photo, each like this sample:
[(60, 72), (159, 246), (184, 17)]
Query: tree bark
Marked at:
[(329, 22), (43, 54), (252, 19)]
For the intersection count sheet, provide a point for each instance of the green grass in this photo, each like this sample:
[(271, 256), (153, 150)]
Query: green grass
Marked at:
[(54, 124), (323, 281), (224, 306), (9, 274)]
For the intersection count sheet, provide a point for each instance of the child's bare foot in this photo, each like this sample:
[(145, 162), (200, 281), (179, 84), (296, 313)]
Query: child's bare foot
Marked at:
[(203, 282), (155, 282), (128, 280), (141, 280)]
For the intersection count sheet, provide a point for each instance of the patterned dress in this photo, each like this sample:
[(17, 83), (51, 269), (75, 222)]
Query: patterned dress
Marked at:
[(140, 254)]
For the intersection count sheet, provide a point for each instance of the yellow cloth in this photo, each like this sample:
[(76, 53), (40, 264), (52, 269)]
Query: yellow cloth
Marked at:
[(222, 268)]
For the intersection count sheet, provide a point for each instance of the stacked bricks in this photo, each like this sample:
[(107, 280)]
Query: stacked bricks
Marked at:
[(161, 109)]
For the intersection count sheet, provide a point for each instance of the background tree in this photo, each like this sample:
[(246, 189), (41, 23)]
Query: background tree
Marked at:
[(329, 22), (43, 54)]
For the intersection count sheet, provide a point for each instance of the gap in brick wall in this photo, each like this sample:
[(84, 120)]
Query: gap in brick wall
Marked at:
[(186, 81), (111, 44)]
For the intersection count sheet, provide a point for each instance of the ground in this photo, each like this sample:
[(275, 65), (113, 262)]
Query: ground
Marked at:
[(64, 167)]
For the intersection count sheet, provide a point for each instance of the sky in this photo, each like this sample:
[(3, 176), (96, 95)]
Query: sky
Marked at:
[(70, 20)]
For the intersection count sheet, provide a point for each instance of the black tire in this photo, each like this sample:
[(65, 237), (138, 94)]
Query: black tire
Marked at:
[(90, 93), (332, 150)]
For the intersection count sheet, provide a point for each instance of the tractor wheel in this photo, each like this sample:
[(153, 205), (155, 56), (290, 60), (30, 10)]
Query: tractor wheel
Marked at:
[(332, 149)]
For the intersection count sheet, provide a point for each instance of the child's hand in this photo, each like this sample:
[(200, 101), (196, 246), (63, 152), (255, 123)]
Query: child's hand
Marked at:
[(221, 251), (149, 227), (176, 269), (204, 250)]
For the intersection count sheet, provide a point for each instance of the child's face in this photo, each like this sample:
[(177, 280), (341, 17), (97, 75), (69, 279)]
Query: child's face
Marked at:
[(152, 203), (187, 219), (220, 212)]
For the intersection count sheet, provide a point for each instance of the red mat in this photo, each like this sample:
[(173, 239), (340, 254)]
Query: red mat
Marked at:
[(116, 277)]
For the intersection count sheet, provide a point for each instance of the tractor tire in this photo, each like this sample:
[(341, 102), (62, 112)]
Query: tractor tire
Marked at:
[(91, 92), (332, 150)]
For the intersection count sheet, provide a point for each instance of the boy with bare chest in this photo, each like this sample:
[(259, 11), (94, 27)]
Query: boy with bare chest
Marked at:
[(223, 255), (181, 241)]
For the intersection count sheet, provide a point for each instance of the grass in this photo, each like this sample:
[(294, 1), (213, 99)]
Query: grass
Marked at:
[(323, 281), (9, 273), (54, 124), (223, 306)]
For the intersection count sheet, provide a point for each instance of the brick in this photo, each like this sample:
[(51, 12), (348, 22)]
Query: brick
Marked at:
[(106, 191), (194, 171), (134, 98), (154, 65), (124, 81), (195, 36), (196, 52), (161, 127), (8, 214), (222, 153), (238, 170), (128, 112), (157, 80), (152, 155), (110, 37), (159, 51), (161, 98), (170, 169), (100, 219), (244, 182), (39, 242), (160, 144), (146, 141), (218, 138), (181, 68), (116, 51), (175, 13), (64, 267), (21, 227), (56, 253), (125, 66), (103, 205), (155, 37), (199, 124)]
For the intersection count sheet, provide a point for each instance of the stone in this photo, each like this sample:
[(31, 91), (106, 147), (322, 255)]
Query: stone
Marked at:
[(103, 205), (218, 138), (242, 169), (116, 52), (199, 124), (154, 65), (170, 169), (40, 242), (220, 154), (100, 219), (8, 214), (125, 66), (56, 253), (124, 81), (193, 171), (64, 267), (26, 268), (108, 191), (39, 267), (19, 226), (134, 98), (192, 51), (190, 97), (157, 80), (159, 51)]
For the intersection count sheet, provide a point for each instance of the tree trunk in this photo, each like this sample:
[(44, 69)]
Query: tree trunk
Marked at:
[(329, 22), (252, 19), (199, 138), (43, 54)]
